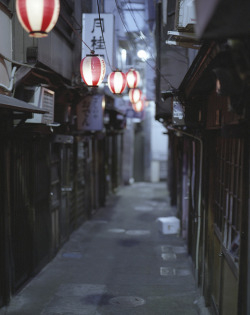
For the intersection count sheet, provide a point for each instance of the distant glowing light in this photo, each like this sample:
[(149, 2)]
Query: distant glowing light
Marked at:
[(134, 95), (133, 78), (117, 82), (142, 54), (103, 103), (139, 106), (124, 56)]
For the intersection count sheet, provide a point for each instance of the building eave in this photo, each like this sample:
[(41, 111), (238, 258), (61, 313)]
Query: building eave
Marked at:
[(11, 103)]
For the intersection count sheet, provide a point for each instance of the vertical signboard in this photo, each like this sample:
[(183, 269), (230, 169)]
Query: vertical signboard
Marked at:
[(178, 111), (92, 27), (90, 113)]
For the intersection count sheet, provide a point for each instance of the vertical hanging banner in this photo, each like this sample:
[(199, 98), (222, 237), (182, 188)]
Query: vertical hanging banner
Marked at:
[(89, 113), (92, 27)]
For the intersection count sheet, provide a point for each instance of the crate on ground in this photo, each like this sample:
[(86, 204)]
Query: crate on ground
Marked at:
[(168, 225)]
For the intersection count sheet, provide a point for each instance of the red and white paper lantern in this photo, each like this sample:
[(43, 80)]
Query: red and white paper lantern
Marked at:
[(117, 82), (133, 78), (134, 95), (38, 17), (139, 106), (93, 69)]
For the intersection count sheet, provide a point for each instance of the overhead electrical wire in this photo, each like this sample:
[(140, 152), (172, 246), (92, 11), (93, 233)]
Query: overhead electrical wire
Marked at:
[(77, 34), (127, 30), (138, 11), (103, 35), (143, 38), (140, 32), (123, 22)]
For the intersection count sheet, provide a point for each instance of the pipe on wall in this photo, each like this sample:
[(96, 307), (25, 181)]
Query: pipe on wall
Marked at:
[(199, 195)]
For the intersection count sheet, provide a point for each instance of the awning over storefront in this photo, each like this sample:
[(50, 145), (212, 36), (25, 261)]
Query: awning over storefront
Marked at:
[(221, 19), (14, 104)]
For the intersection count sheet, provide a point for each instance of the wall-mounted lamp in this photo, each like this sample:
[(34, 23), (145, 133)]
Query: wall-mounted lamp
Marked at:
[(229, 84)]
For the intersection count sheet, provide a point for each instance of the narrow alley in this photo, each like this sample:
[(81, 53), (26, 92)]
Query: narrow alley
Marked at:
[(114, 117), (119, 262)]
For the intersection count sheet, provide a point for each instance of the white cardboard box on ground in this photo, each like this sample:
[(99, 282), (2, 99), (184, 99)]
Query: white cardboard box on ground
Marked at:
[(168, 225)]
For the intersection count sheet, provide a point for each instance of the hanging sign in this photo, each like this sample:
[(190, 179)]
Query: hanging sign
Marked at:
[(92, 27), (89, 113), (178, 112)]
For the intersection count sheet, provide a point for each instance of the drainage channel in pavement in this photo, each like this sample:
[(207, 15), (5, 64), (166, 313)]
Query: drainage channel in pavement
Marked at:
[(173, 249), (130, 301), (138, 232), (116, 230), (169, 271), (143, 208), (130, 232)]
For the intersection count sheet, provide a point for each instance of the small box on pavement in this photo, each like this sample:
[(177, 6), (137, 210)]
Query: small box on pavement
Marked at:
[(168, 225)]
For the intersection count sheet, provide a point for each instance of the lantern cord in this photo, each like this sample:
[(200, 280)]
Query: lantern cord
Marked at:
[(126, 28), (77, 34), (103, 34)]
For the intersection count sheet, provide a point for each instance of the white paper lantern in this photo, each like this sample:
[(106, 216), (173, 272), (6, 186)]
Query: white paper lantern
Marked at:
[(38, 17), (133, 78), (139, 106), (93, 69), (134, 95), (117, 82)]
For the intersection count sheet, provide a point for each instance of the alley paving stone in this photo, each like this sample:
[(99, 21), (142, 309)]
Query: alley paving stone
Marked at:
[(117, 263)]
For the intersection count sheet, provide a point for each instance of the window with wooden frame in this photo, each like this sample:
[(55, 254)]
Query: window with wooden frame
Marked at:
[(228, 192)]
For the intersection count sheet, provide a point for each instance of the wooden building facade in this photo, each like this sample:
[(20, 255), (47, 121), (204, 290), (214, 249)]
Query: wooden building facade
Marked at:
[(54, 174), (207, 119)]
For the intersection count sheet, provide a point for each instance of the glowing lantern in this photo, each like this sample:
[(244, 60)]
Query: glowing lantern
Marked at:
[(138, 107), (133, 78), (134, 95), (117, 82), (93, 69), (38, 17)]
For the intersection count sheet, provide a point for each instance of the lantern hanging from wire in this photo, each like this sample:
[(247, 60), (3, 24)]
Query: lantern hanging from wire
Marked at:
[(38, 17), (134, 95), (93, 69), (139, 106), (133, 78), (117, 82)]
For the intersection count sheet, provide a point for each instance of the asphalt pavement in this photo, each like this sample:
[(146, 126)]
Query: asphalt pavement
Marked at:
[(117, 263)]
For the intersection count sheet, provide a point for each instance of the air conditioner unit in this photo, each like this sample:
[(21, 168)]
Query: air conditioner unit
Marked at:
[(42, 98), (187, 15)]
